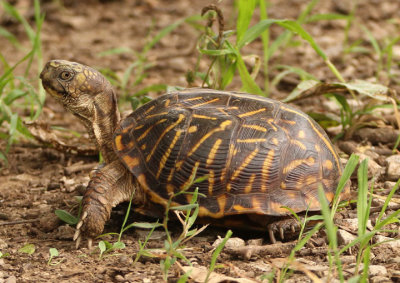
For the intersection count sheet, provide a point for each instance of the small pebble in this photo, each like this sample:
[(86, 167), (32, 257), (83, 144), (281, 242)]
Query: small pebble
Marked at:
[(119, 278), (11, 279), (379, 279), (377, 270), (393, 243), (231, 243), (344, 237), (393, 167), (388, 185)]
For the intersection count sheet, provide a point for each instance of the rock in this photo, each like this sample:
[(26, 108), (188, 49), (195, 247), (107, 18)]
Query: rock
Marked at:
[(395, 260), (255, 242), (374, 169), (379, 279), (11, 279), (231, 243), (347, 259), (393, 167), (49, 222), (155, 236), (388, 185), (65, 232), (352, 224), (393, 244), (377, 270), (3, 245), (344, 237), (119, 278)]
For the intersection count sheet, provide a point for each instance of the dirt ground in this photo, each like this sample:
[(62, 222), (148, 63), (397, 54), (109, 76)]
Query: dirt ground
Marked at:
[(41, 179)]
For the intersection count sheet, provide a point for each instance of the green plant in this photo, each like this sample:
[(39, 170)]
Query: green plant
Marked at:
[(17, 92), (227, 57), (216, 254), (106, 247), (3, 255), (53, 252), (27, 249)]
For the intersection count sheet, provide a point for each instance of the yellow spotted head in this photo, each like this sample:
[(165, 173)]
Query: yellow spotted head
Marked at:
[(78, 87), (67, 81)]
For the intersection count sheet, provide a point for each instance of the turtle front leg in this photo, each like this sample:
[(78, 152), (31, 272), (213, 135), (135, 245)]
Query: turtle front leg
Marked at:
[(108, 186)]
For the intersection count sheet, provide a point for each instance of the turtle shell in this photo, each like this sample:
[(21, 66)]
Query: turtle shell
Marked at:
[(256, 155)]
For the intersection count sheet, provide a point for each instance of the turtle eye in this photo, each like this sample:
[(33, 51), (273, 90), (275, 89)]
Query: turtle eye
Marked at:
[(66, 75)]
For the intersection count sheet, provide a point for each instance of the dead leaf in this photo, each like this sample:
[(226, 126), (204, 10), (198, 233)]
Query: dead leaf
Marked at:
[(199, 274)]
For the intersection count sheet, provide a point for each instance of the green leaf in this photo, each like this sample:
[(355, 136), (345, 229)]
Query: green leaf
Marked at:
[(216, 253), (145, 225), (13, 95), (66, 217), (248, 83), (218, 52), (102, 246), (118, 245), (185, 207), (27, 249), (53, 252), (376, 91)]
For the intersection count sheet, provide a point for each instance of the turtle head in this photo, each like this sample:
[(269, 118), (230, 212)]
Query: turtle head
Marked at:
[(75, 85), (87, 94)]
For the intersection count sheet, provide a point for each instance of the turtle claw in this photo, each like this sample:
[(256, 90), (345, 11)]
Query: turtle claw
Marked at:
[(77, 241), (284, 226)]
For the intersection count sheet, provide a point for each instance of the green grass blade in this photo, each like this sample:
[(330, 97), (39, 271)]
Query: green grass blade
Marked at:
[(362, 205), (387, 200), (12, 11), (216, 254), (160, 35), (10, 37), (246, 9), (327, 17)]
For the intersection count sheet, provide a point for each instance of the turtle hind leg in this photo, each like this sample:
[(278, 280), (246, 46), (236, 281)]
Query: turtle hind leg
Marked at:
[(287, 226)]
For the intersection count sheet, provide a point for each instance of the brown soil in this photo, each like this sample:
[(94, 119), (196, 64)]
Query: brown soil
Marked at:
[(37, 180)]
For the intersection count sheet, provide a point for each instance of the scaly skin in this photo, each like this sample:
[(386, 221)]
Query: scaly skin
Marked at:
[(89, 96)]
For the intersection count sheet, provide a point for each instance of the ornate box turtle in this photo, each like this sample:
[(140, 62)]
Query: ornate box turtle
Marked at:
[(258, 155)]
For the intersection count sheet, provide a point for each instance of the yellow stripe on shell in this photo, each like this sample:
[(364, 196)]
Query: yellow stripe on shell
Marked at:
[(221, 127), (255, 127), (237, 172), (297, 162), (250, 140), (165, 156), (145, 133), (251, 113), (299, 144), (211, 181), (265, 169), (206, 102), (169, 128), (324, 139), (249, 185), (213, 151), (203, 117)]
